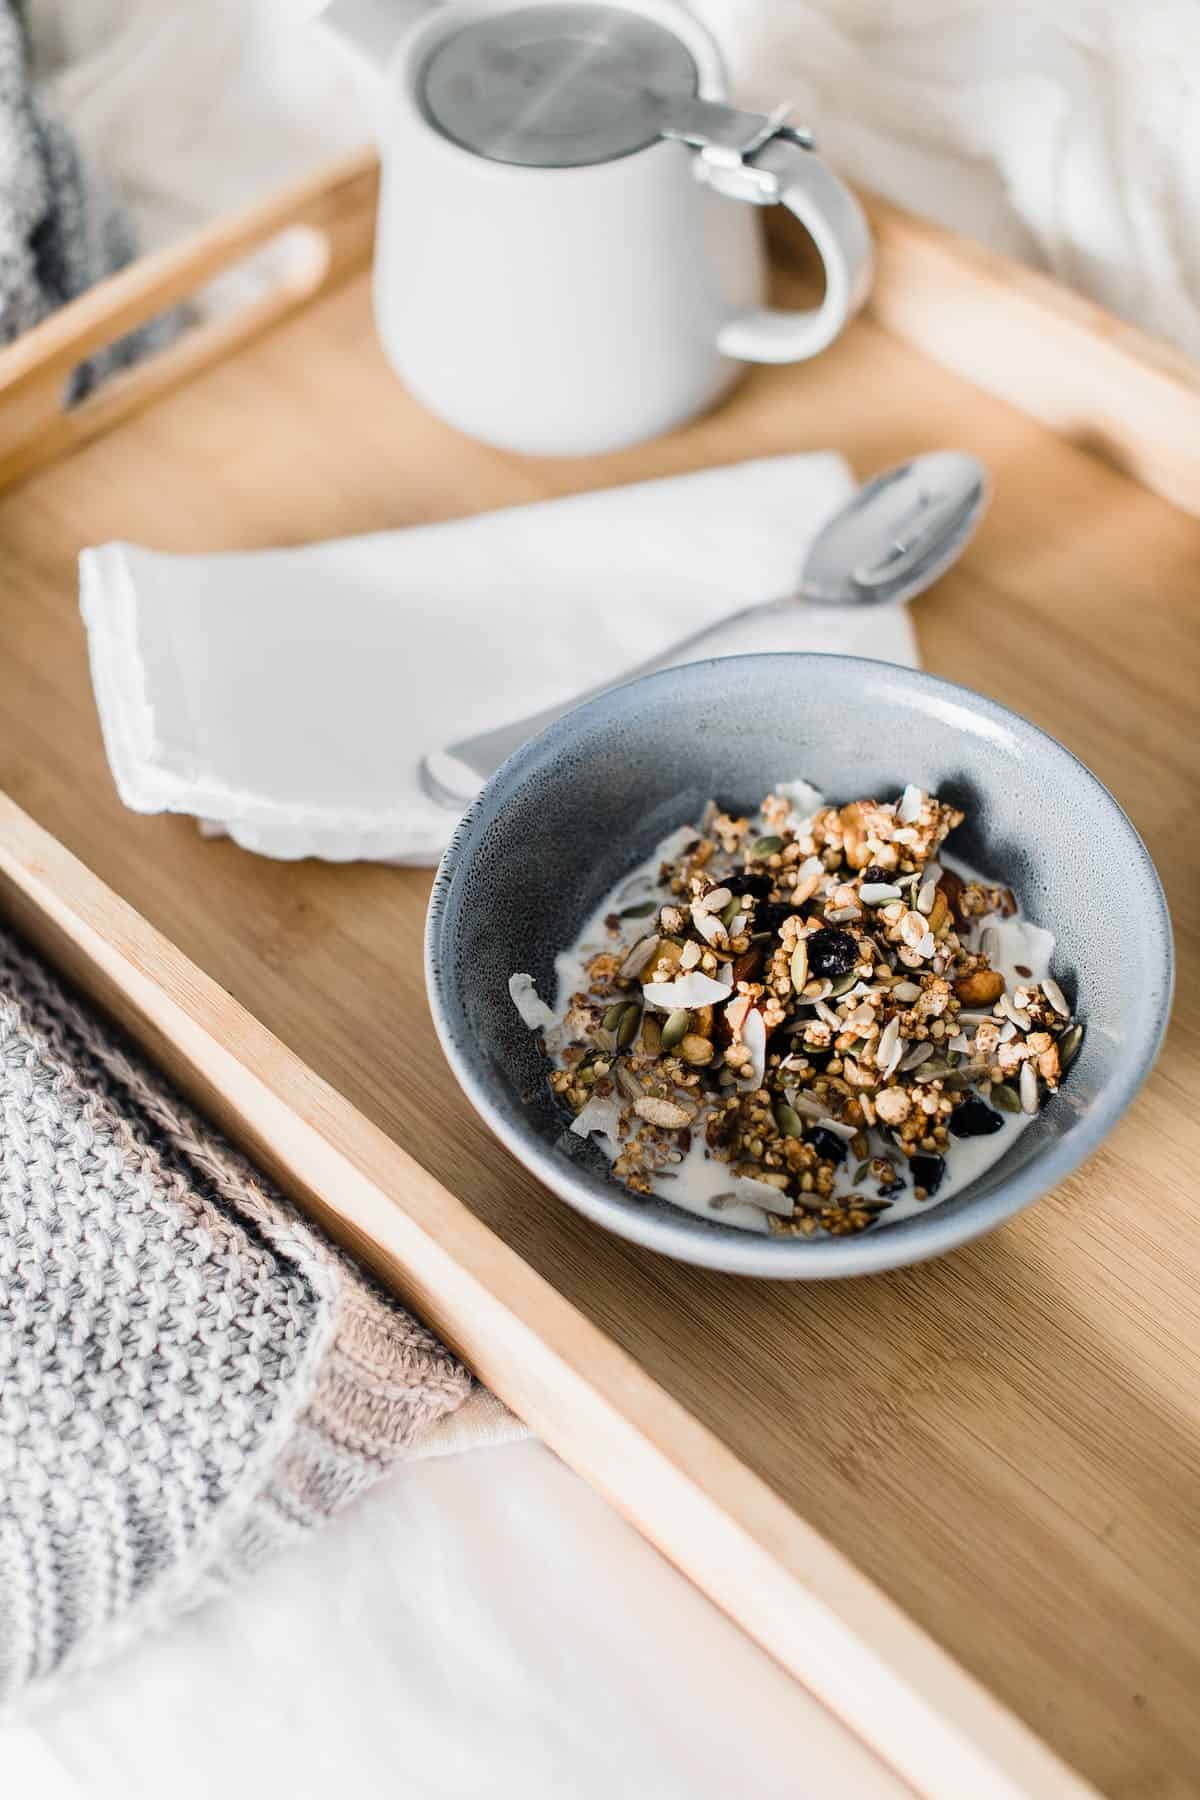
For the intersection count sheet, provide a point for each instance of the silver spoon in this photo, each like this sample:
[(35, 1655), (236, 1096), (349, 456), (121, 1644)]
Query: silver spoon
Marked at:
[(891, 540)]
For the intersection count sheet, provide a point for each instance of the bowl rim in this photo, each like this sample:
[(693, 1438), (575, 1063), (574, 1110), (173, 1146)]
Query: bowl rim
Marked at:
[(782, 1258)]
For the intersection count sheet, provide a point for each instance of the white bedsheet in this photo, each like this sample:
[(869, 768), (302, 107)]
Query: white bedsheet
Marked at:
[(481, 1624)]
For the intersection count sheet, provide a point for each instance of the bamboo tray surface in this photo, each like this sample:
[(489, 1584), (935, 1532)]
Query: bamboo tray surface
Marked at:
[(1006, 1442)]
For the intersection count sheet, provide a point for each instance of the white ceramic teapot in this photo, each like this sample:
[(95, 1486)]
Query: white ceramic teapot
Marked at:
[(568, 257)]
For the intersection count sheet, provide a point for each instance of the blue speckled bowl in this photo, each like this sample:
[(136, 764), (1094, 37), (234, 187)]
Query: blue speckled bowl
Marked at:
[(577, 807)]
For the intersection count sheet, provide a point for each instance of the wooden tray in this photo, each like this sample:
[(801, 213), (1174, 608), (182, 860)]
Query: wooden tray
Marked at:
[(958, 1502)]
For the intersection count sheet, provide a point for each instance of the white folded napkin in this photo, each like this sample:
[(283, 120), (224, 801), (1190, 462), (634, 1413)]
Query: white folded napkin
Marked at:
[(287, 696)]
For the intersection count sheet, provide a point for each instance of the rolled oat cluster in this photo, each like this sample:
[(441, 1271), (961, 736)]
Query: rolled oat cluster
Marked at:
[(806, 991)]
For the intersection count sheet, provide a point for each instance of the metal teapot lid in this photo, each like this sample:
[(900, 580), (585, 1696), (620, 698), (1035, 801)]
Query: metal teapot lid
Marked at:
[(556, 86)]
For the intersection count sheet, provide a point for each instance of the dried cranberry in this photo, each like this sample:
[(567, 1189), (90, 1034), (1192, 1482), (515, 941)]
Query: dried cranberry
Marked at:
[(828, 1145), (974, 1119), (928, 1172), (831, 953)]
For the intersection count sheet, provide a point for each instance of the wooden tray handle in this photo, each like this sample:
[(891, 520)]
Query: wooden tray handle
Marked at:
[(330, 216)]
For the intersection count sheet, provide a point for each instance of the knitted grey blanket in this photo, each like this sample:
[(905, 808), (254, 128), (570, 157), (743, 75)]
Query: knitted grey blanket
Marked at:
[(190, 1375), (60, 229)]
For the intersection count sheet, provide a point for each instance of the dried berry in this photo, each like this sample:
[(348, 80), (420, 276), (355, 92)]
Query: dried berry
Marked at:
[(974, 1118), (770, 914), (828, 1145), (928, 1172), (831, 953), (754, 882)]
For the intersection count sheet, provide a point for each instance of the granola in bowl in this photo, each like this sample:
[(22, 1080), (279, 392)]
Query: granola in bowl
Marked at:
[(807, 1020)]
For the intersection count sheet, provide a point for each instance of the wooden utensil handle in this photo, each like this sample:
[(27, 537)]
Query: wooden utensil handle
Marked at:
[(330, 215)]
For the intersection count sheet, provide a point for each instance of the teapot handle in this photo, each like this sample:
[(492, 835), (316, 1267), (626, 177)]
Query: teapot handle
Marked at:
[(786, 173)]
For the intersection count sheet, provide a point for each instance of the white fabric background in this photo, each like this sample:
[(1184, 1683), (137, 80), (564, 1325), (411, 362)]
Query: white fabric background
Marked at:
[(1066, 132), (485, 1623)]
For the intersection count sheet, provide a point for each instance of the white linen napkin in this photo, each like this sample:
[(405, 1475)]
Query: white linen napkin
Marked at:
[(287, 696)]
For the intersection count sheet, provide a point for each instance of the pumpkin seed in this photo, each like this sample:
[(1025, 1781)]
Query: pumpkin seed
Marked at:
[(614, 1015), (1068, 1045), (1006, 1098), (731, 912), (788, 1120), (934, 1069), (842, 985), (800, 966), (630, 1024), (766, 846), (861, 1173), (676, 1028), (641, 911)]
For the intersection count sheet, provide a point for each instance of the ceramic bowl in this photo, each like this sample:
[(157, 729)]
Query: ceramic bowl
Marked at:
[(577, 807)]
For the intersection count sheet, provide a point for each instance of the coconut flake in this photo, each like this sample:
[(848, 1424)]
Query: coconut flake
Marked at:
[(601, 1115), (535, 1014), (908, 809), (692, 989), (754, 1039), (805, 802), (710, 927)]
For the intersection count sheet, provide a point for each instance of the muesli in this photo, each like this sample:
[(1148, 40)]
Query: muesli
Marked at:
[(806, 1020)]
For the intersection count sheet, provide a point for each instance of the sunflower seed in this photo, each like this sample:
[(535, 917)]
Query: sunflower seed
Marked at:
[(799, 966), (1068, 1046), (661, 1112), (907, 991), (715, 901), (920, 1053), (676, 1028), (804, 1104), (638, 957), (827, 1014), (1006, 1097), (842, 915), (766, 846), (628, 1082), (1029, 1088), (845, 1132), (989, 943), (1055, 996)]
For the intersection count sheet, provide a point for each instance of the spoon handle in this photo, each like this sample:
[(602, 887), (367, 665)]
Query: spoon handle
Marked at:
[(453, 776)]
